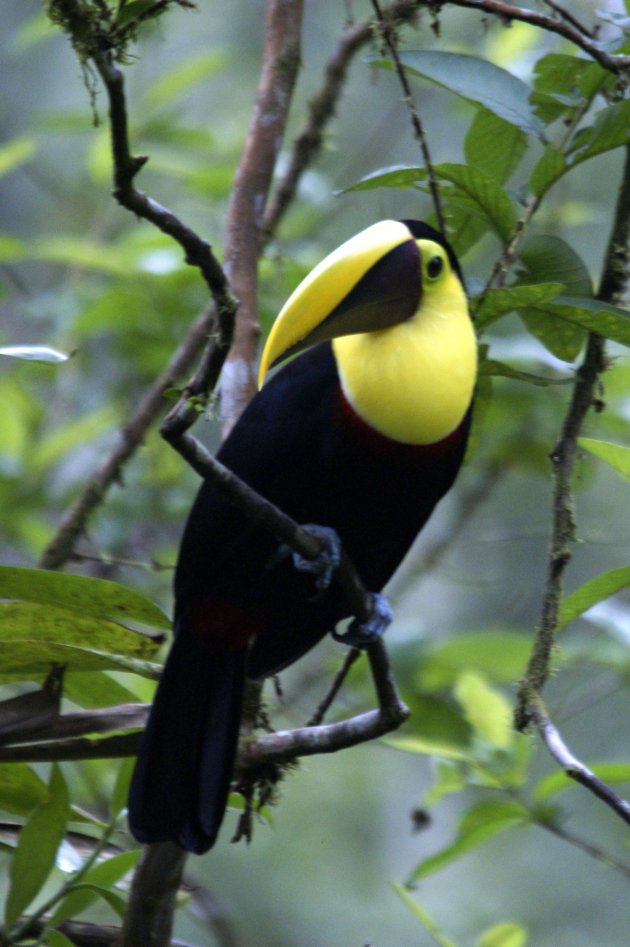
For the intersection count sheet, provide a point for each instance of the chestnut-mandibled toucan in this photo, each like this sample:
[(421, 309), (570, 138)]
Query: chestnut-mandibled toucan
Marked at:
[(363, 432)]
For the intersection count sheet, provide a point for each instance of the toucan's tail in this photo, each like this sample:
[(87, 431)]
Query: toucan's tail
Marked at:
[(182, 778)]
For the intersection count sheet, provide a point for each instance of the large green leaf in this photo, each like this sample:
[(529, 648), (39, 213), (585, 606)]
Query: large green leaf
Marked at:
[(494, 303), (35, 854), (31, 659), (477, 81), (98, 597), (563, 83), (494, 146), (594, 591), (485, 708), (613, 322), (99, 878), (483, 194), (21, 789), (546, 259), (615, 455), (178, 80)]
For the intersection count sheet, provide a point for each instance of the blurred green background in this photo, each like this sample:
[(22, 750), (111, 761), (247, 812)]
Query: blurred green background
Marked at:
[(78, 273)]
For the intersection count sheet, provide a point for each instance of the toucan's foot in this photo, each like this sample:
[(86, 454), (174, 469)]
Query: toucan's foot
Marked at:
[(325, 564), (362, 634)]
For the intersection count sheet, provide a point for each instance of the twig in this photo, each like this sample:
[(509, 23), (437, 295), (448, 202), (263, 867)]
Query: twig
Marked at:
[(61, 547), (573, 767), (107, 748), (614, 279), (322, 106), (566, 15), (389, 38), (281, 61), (60, 727), (286, 746), (325, 704), (507, 12)]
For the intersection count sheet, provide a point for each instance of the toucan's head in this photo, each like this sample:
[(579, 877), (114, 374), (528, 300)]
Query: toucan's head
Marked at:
[(375, 280)]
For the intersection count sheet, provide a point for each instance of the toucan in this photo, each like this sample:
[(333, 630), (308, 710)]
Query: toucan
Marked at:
[(362, 432)]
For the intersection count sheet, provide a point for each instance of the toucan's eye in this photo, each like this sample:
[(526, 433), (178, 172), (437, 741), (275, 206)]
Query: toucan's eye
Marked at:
[(434, 267)]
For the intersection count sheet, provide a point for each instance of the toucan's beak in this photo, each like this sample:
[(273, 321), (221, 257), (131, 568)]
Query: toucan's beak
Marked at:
[(371, 282)]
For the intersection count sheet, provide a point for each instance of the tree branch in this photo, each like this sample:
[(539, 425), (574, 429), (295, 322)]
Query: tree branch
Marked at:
[(322, 106), (507, 13), (281, 61), (389, 38)]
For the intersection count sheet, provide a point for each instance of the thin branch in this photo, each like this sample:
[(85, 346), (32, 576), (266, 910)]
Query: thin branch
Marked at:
[(570, 18), (322, 107), (73, 524), (573, 767), (507, 13), (281, 62), (614, 279), (389, 37), (62, 726)]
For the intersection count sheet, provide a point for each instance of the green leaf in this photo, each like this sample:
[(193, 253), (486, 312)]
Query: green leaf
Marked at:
[(495, 303), (563, 83), (121, 787), (445, 751), (16, 152), (87, 893), (548, 169), (494, 368), (98, 597), (615, 455), (57, 939), (503, 935), (548, 259), (482, 193), (35, 353), (396, 175), (558, 781), (486, 710), (32, 659), (179, 80), (21, 789), (448, 778), (494, 146), (611, 129), (418, 911), (37, 847), (592, 315), (476, 81), (476, 826), (592, 592), (94, 884)]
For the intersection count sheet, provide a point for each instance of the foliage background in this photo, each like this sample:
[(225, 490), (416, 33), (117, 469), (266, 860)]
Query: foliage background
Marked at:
[(80, 274)]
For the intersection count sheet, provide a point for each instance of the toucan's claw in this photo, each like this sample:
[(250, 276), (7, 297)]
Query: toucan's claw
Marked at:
[(325, 564), (361, 634)]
